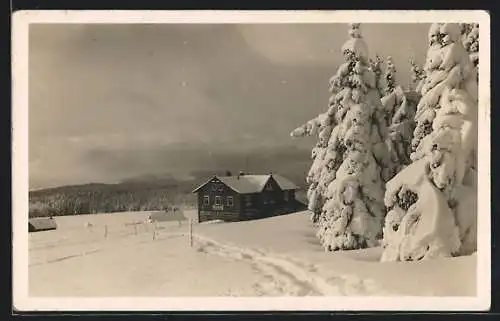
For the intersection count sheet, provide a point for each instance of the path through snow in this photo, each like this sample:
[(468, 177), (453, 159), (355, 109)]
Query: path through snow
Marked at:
[(287, 277)]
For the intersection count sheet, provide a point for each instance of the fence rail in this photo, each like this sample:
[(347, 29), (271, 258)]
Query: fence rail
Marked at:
[(91, 233)]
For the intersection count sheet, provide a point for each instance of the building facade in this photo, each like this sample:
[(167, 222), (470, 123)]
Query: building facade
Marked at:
[(244, 197)]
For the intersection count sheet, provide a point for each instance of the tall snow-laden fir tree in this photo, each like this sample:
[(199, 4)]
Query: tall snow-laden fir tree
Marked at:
[(432, 209), (417, 75), (432, 72), (399, 106), (389, 76), (470, 40), (376, 67), (350, 159)]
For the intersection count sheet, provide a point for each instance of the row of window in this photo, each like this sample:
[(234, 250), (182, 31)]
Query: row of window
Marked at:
[(218, 200), (230, 200)]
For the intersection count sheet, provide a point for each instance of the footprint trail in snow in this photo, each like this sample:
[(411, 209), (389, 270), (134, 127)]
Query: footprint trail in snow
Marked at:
[(284, 277)]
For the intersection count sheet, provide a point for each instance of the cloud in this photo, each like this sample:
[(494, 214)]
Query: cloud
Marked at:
[(297, 44), (104, 99)]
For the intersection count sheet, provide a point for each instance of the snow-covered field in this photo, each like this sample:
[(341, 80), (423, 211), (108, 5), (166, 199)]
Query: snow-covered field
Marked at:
[(277, 256)]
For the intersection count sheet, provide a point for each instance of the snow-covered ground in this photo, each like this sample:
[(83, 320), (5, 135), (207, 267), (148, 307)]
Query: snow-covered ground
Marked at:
[(277, 256)]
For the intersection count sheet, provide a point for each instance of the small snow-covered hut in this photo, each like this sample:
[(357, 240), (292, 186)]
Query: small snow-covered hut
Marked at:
[(37, 224), (174, 215)]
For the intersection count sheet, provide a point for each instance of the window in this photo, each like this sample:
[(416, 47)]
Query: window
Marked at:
[(214, 187), (269, 187), (218, 200), (206, 200), (248, 200), (287, 196), (230, 201), (221, 188)]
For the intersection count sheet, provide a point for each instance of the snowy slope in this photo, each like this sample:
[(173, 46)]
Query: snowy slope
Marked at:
[(277, 256), (80, 262), (292, 238)]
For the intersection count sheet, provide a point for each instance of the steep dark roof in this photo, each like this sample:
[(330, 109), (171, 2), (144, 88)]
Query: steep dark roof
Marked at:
[(247, 184)]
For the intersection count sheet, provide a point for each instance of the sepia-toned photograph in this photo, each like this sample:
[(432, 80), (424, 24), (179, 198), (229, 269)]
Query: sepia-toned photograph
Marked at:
[(163, 160)]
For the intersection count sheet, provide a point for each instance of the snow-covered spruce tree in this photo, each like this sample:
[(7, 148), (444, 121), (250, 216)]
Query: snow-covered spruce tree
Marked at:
[(432, 72), (399, 107), (470, 40), (417, 75), (350, 160), (321, 126), (389, 76), (376, 67), (432, 212)]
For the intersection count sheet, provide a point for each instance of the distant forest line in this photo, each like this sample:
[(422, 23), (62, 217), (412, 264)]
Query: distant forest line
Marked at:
[(140, 194)]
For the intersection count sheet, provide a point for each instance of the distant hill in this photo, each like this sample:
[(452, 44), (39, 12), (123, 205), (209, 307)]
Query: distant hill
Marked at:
[(103, 198), (158, 191)]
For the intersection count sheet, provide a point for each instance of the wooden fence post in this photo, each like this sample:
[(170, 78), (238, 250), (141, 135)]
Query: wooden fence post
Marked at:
[(105, 231), (190, 232), (154, 231)]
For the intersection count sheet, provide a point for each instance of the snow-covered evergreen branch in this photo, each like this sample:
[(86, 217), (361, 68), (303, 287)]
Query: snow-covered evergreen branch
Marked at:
[(431, 206), (350, 159)]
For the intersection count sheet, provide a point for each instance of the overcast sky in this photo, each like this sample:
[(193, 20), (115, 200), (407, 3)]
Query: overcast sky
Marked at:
[(107, 101)]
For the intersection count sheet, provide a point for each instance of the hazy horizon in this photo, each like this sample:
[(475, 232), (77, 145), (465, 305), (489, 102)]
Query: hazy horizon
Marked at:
[(110, 102)]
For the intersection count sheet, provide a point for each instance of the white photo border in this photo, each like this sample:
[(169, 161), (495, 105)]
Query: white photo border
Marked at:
[(23, 302)]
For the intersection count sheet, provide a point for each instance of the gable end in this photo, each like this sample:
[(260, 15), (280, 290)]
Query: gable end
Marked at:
[(212, 180)]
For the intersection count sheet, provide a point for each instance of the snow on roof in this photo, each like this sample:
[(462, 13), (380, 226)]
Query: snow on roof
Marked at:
[(41, 224), (247, 184), (284, 183)]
